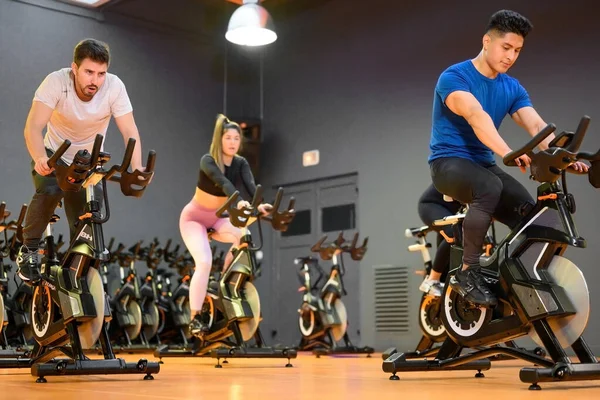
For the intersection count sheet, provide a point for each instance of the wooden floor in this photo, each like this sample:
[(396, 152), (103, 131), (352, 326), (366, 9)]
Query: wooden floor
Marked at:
[(354, 377)]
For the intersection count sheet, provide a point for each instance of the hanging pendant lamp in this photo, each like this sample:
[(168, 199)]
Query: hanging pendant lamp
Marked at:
[(251, 25)]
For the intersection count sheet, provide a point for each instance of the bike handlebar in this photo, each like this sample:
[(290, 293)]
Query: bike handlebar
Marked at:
[(449, 220), (130, 180), (356, 253), (509, 159), (53, 160), (168, 254), (245, 216), (327, 252), (72, 177), (418, 232), (281, 220), (17, 227), (548, 165)]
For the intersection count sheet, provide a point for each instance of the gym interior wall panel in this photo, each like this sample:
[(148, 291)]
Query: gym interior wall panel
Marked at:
[(173, 88), (357, 83)]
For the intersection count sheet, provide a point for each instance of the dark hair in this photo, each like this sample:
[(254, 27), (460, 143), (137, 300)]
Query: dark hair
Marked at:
[(507, 21), (93, 49)]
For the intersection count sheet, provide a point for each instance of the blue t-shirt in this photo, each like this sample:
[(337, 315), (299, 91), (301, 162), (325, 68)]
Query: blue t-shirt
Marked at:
[(451, 134)]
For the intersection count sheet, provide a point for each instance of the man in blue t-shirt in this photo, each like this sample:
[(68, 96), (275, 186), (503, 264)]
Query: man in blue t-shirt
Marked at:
[(471, 100)]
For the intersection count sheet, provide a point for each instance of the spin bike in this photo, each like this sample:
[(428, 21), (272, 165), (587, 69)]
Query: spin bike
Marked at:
[(323, 320), (174, 305), (430, 308), (141, 299), (126, 325), (18, 332), (540, 292), (232, 303), (70, 310), (13, 321)]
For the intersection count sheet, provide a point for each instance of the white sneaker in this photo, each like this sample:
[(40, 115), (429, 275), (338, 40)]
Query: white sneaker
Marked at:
[(431, 287)]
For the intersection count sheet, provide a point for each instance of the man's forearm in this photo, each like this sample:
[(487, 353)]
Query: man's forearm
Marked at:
[(486, 132), (546, 142), (35, 143)]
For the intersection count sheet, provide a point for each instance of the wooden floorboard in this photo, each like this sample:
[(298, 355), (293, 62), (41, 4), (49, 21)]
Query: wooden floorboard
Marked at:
[(355, 377)]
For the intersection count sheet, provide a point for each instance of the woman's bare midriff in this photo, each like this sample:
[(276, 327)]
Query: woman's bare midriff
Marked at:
[(207, 200)]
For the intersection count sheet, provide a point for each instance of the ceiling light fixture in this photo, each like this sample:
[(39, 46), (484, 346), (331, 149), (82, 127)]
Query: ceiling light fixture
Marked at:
[(251, 25), (88, 3)]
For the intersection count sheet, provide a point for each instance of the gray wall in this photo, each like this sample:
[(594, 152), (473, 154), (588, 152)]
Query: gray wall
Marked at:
[(174, 87), (356, 82)]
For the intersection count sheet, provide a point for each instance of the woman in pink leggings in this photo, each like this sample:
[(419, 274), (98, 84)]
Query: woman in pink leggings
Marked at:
[(221, 172)]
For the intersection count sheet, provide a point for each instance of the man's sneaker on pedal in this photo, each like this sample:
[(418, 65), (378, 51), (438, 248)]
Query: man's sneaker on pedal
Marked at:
[(432, 287), (28, 264), (471, 285)]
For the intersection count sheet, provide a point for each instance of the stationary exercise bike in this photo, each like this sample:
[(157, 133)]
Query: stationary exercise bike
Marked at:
[(430, 307), (323, 320), (18, 333), (126, 324), (540, 292), (145, 295), (174, 304), (232, 304), (70, 310), (13, 321)]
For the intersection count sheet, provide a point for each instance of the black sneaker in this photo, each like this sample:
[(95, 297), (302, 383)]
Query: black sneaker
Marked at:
[(28, 263), (471, 285), (198, 327)]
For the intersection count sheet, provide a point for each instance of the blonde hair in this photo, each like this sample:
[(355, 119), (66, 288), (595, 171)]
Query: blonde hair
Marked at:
[(216, 147)]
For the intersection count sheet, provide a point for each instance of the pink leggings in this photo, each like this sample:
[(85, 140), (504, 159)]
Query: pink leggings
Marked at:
[(193, 223)]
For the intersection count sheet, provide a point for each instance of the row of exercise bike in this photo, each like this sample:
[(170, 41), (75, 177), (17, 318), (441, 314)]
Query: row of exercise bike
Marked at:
[(547, 299), (541, 294), (77, 309)]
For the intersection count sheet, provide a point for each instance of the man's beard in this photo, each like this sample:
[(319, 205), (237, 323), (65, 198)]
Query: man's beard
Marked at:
[(86, 93)]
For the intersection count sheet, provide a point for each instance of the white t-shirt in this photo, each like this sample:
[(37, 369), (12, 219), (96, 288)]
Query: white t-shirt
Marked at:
[(77, 120)]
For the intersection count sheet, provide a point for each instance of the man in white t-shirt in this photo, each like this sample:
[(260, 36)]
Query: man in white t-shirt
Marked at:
[(73, 103)]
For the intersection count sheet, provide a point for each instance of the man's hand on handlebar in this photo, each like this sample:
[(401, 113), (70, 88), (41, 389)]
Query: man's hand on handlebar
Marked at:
[(41, 166), (523, 161), (141, 168), (580, 166)]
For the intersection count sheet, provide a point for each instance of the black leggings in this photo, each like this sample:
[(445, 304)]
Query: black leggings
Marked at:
[(490, 193), (431, 207), (43, 204)]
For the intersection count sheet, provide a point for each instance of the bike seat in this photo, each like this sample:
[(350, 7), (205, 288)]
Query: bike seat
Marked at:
[(305, 260), (418, 232), (449, 220)]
